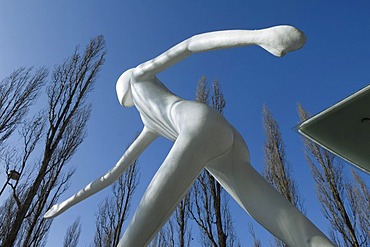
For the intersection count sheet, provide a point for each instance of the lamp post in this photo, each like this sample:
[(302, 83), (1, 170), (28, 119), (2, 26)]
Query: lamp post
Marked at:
[(12, 175)]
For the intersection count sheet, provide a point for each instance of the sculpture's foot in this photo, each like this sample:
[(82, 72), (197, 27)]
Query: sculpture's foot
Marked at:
[(280, 40)]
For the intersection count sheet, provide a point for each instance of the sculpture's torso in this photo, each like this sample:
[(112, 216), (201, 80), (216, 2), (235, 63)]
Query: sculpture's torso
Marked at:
[(155, 102)]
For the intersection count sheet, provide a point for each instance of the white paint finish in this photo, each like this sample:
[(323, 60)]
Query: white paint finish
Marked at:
[(202, 139)]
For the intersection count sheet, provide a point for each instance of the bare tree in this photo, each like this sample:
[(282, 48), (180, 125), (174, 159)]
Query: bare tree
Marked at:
[(17, 93), (358, 195), (210, 208), (176, 232), (114, 211), (277, 170), (58, 131), (256, 241), (165, 237), (345, 203), (73, 234), (181, 218)]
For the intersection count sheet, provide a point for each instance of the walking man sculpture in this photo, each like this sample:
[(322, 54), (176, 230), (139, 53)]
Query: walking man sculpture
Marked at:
[(202, 139)]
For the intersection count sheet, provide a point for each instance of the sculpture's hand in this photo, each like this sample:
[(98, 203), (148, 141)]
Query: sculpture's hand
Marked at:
[(137, 147), (56, 210), (277, 40)]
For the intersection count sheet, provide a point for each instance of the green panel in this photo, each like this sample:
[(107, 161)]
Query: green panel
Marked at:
[(344, 129)]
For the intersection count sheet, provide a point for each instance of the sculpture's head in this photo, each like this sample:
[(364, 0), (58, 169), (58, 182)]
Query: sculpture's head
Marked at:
[(123, 89)]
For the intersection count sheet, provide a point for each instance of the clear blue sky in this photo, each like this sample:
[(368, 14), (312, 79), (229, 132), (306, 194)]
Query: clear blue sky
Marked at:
[(334, 63)]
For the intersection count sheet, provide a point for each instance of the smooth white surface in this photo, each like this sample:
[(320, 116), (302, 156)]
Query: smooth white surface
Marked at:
[(202, 139)]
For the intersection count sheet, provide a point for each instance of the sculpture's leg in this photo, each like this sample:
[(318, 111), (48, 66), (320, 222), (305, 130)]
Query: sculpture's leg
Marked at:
[(261, 200), (204, 134), (169, 185)]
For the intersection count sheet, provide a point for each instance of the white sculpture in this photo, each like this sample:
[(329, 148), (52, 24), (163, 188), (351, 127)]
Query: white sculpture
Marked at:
[(202, 139)]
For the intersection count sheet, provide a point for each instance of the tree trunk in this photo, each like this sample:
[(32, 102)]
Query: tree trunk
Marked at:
[(21, 213)]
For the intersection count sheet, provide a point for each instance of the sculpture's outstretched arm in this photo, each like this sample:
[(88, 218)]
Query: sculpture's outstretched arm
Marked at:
[(137, 147), (277, 40)]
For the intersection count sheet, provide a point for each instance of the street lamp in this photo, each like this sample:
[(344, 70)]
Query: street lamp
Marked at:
[(12, 175)]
